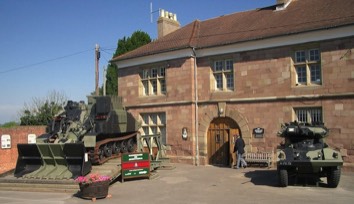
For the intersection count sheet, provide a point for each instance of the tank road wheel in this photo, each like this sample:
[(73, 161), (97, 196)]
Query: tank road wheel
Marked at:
[(283, 178), (123, 146), (131, 145), (107, 150), (115, 148), (333, 177), (101, 153)]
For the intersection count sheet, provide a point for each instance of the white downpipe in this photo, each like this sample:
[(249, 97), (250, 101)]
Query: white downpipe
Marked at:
[(196, 108)]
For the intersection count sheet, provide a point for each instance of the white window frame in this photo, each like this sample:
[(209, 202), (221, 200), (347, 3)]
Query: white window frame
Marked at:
[(223, 72), (153, 81), (154, 123), (307, 65)]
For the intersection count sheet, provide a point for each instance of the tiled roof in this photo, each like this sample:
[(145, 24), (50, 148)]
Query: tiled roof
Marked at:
[(300, 16)]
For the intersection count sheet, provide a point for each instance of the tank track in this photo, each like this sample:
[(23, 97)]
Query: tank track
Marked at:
[(112, 148)]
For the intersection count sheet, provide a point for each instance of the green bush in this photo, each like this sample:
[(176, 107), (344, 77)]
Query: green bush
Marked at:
[(9, 124)]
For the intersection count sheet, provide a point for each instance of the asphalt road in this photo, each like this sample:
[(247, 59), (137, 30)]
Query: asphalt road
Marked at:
[(204, 185)]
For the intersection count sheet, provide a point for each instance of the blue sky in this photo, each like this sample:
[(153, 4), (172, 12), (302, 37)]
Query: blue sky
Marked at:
[(48, 45)]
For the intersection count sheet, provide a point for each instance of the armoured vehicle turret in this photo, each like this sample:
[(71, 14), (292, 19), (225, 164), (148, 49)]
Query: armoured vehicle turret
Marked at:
[(77, 138), (304, 153)]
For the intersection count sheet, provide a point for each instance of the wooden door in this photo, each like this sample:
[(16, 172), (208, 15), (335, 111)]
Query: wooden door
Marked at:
[(220, 142), (232, 160)]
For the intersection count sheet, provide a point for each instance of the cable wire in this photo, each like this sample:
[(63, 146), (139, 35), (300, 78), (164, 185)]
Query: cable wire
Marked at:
[(43, 62)]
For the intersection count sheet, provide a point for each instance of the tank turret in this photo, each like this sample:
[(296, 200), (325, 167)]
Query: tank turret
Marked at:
[(304, 130)]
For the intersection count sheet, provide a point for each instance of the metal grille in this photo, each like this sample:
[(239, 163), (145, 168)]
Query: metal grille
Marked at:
[(316, 115), (309, 115), (301, 115)]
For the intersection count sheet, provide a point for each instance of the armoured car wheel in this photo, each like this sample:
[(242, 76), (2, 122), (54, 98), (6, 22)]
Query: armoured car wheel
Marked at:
[(333, 177), (283, 178)]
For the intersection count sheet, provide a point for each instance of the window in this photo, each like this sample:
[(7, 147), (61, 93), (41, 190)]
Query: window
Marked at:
[(308, 67), (154, 123), (153, 81), (308, 115), (223, 75), (301, 74)]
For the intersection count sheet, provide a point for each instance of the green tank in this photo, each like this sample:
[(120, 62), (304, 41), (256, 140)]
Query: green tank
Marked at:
[(77, 138), (304, 153)]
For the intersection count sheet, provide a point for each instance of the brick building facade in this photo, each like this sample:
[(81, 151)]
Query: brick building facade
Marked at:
[(215, 83), (8, 156)]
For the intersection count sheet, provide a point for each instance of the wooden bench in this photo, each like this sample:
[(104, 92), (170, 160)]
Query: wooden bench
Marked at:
[(259, 158)]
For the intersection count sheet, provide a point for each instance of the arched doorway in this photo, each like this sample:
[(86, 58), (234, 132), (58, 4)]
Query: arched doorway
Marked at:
[(221, 141)]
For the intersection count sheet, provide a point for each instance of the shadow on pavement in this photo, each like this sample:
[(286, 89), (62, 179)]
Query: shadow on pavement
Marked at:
[(270, 178), (263, 177)]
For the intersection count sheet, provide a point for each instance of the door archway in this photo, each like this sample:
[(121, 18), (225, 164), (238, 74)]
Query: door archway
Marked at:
[(221, 139)]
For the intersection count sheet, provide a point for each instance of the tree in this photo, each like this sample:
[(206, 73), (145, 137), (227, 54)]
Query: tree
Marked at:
[(138, 39), (42, 111), (112, 80)]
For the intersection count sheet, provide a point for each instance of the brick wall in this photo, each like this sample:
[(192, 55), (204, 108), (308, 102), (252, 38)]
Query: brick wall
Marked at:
[(8, 157), (179, 83), (178, 149)]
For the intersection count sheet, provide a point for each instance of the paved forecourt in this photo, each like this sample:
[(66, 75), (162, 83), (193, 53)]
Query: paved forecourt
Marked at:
[(203, 185)]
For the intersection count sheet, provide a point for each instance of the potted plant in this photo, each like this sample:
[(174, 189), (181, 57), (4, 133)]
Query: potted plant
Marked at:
[(93, 186)]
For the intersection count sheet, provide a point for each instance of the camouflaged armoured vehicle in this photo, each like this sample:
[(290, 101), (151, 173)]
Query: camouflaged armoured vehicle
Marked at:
[(304, 153), (79, 137)]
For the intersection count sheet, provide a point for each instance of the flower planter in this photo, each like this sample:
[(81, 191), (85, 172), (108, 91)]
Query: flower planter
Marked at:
[(94, 190)]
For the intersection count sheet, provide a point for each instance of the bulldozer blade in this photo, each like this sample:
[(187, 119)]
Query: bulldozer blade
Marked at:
[(29, 159), (52, 161), (77, 159)]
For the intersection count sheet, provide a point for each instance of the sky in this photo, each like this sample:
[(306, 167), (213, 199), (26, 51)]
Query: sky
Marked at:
[(49, 45)]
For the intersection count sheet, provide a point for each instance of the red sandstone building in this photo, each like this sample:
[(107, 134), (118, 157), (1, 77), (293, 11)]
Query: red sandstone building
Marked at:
[(212, 79)]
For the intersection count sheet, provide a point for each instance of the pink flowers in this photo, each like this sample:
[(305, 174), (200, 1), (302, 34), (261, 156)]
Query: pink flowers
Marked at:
[(91, 178)]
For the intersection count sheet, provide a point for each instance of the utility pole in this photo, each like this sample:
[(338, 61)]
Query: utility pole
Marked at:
[(104, 80), (97, 58)]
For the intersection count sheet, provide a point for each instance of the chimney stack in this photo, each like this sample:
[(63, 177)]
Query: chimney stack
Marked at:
[(282, 4), (167, 23)]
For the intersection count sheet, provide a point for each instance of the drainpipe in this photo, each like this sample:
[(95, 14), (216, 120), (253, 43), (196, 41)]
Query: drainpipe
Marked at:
[(196, 108)]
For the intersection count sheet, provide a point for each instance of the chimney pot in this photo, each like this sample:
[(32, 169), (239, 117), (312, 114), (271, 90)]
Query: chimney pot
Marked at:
[(167, 23)]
